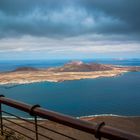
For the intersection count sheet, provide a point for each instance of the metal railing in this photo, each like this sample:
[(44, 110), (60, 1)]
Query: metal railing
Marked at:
[(98, 130)]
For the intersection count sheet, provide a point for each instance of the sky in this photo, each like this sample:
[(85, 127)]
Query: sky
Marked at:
[(69, 29)]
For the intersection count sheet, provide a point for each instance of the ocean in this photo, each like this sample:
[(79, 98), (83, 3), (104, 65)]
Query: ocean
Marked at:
[(7, 65), (116, 95)]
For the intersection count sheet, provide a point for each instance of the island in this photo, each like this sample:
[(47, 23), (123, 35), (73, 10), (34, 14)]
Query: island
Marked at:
[(74, 70)]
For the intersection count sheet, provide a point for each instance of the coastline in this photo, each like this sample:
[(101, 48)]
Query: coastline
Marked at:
[(75, 70), (17, 78), (86, 117), (92, 117)]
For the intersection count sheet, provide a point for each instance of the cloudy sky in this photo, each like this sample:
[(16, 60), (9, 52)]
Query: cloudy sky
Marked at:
[(57, 29)]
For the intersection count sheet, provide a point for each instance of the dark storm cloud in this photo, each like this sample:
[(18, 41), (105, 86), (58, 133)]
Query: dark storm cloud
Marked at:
[(124, 10), (69, 18)]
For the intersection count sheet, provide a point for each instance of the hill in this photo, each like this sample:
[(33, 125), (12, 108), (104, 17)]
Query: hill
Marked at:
[(25, 69), (79, 66)]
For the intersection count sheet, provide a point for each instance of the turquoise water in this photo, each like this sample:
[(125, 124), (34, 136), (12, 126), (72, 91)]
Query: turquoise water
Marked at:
[(118, 95)]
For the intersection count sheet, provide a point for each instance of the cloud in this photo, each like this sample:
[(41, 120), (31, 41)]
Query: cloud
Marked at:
[(64, 22), (82, 44), (64, 18), (69, 28)]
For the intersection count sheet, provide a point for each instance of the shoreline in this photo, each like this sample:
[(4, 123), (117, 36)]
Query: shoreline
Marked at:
[(45, 76), (76, 70), (81, 117), (107, 115)]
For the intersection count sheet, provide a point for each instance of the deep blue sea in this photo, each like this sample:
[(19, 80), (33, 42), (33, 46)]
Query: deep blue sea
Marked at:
[(118, 95)]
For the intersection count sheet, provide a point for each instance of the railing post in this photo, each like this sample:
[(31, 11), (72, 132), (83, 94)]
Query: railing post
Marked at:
[(1, 120), (36, 128), (35, 119), (97, 130)]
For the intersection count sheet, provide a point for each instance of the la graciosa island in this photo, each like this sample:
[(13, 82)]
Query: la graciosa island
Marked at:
[(74, 70)]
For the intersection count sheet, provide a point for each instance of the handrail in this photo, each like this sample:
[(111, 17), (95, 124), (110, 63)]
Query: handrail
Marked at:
[(92, 128)]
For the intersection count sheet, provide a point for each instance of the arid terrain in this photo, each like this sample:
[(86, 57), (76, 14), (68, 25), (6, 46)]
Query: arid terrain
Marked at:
[(129, 124), (71, 71)]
